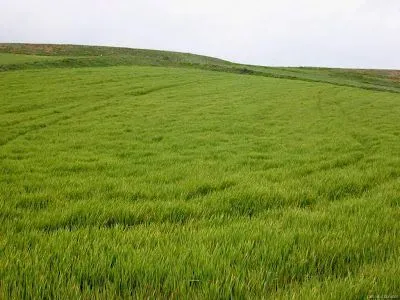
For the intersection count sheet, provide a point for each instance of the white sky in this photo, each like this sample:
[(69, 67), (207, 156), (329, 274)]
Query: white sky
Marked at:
[(339, 33)]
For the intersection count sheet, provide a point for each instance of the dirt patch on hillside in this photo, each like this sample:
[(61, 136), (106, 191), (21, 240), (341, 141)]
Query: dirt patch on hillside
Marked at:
[(391, 75), (30, 49), (43, 49), (394, 75)]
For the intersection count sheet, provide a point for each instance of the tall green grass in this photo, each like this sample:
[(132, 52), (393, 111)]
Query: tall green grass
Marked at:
[(153, 182)]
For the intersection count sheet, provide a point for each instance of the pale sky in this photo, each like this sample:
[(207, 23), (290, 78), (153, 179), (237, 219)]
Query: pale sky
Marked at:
[(339, 33)]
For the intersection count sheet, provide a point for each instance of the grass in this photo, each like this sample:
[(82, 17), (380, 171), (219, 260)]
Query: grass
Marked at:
[(179, 182), (93, 56), (7, 59)]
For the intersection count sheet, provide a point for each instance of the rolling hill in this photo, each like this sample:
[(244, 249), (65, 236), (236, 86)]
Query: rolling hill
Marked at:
[(67, 56)]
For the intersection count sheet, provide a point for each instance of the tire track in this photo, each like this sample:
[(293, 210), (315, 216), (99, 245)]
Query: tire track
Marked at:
[(67, 115)]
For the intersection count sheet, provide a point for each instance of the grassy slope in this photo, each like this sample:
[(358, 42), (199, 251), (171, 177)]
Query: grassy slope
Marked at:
[(176, 181), (86, 56), (81, 56), (7, 59)]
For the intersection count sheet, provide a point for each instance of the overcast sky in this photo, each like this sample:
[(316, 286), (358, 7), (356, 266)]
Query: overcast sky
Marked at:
[(339, 33)]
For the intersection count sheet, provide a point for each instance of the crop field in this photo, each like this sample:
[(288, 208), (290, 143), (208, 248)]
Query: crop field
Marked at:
[(186, 180)]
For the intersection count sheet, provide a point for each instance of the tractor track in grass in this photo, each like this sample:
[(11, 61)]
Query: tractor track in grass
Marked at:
[(68, 115)]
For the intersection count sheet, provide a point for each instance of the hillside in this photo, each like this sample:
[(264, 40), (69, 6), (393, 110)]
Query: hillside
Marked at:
[(94, 56), (151, 175)]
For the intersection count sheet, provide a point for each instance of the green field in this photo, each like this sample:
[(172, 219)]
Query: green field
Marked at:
[(149, 174), (7, 59)]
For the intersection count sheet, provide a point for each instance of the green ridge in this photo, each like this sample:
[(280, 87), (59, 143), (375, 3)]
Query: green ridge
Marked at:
[(94, 56)]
